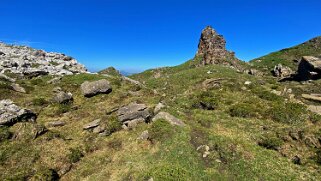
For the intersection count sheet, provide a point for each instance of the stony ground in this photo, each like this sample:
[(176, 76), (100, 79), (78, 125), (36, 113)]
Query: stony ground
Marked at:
[(231, 126)]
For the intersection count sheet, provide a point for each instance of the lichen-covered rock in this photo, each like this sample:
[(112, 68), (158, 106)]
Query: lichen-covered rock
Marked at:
[(90, 89), (11, 113), (18, 88)]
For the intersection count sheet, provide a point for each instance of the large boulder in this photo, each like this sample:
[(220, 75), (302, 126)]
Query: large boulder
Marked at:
[(133, 114), (170, 118), (90, 89), (309, 68), (11, 114)]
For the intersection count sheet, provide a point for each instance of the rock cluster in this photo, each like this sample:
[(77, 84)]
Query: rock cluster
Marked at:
[(282, 71), (211, 49), (11, 113), (133, 114), (30, 62)]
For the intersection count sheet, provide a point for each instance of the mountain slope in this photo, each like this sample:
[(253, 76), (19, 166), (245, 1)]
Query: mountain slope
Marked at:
[(289, 56)]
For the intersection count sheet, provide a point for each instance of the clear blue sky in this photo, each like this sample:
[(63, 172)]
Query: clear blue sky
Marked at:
[(140, 34)]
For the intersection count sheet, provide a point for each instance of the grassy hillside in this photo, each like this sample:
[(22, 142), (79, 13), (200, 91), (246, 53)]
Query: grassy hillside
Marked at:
[(251, 133), (289, 56)]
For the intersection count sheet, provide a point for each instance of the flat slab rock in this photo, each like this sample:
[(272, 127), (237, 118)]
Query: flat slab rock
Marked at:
[(133, 111), (11, 113), (90, 89), (313, 97), (92, 124), (170, 118)]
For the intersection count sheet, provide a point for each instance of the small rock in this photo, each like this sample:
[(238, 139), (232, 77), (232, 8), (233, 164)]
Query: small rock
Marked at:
[(158, 107), (144, 135), (170, 118), (56, 124), (133, 111), (39, 130), (54, 80), (65, 169), (63, 97), (7, 78), (18, 88), (92, 124), (247, 82), (312, 97), (99, 129)]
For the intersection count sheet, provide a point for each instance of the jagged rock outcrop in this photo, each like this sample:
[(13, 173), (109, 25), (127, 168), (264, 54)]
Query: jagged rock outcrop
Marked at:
[(31, 62), (90, 89), (309, 68), (11, 113), (282, 71), (212, 50)]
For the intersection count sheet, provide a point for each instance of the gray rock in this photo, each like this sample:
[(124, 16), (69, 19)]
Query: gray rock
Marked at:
[(18, 88), (90, 89), (63, 97), (133, 114), (282, 71), (32, 63), (92, 124), (144, 135), (170, 118), (56, 124), (158, 107), (11, 113), (99, 129)]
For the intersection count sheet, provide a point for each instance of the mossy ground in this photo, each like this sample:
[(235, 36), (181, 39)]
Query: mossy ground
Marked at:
[(245, 141)]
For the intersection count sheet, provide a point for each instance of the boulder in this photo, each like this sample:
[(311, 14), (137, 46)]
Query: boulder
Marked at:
[(309, 68), (282, 71), (62, 97), (170, 118), (11, 113), (90, 89), (133, 114)]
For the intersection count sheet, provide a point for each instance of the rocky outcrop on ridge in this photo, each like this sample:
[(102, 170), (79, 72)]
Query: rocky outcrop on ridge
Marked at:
[(31, 62), (212, 50)]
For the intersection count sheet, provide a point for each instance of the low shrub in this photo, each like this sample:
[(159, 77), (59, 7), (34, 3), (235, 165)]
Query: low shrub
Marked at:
[(39, 101), (63, 108), (160, 130), (289, 113), (5, 134), (244, 110), (205, 100), (46, 174), (266, 95), (270, 141), (75, 155), (37, 81), (113, 125), (318, 157), (315, 118)]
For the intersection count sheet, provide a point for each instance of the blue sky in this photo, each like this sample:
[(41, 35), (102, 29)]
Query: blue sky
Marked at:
[(141, 34)]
